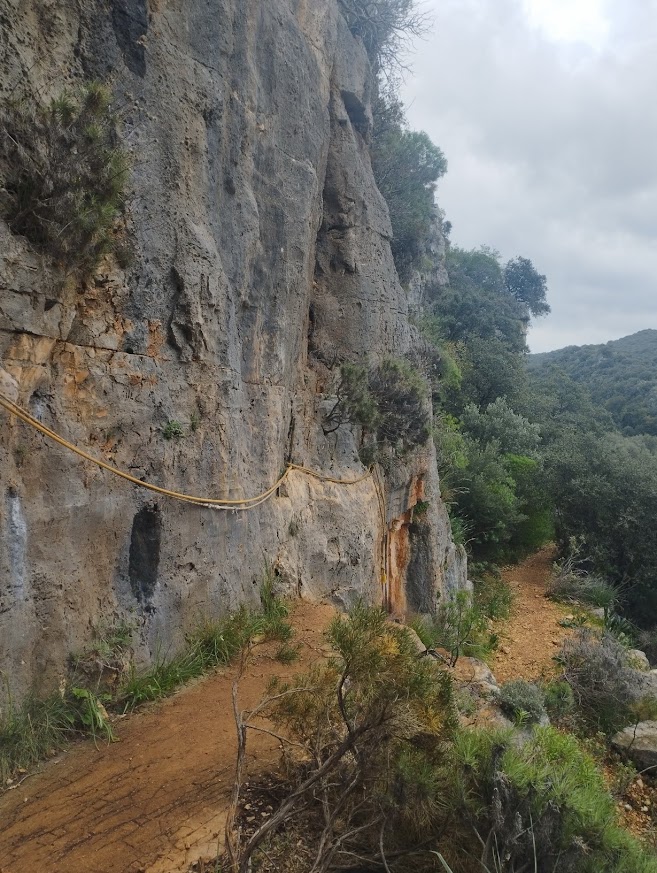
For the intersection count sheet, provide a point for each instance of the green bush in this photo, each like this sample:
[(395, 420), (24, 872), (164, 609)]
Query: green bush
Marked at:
[(389, 402), (493, 595), (523, 701), (369, 725), (573, 585), (540, 806), (609, 695), (559, 699), (40, 727), (64, 174), (459, 626), (406, 167), (379, 776)]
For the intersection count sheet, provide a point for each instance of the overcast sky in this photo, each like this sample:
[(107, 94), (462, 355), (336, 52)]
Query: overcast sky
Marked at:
[(547, 113)]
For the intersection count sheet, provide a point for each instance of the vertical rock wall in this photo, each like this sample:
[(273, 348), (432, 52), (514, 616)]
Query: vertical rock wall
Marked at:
[(258, 231)]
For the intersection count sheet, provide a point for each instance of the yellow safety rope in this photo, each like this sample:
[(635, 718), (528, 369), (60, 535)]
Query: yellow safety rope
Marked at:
[(215, 503)]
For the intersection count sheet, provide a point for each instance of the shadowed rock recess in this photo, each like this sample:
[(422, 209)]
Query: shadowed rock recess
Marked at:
[(261, 252)]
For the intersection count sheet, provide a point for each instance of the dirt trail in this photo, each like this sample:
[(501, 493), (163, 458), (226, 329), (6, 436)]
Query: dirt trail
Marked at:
[(154, 802), (532, 635)]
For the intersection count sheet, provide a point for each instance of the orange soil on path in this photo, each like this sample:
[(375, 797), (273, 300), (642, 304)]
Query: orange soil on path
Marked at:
[(156, 801), (532, 635)]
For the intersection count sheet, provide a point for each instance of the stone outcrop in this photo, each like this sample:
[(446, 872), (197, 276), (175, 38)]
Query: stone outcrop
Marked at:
[(261, 254), (639, 743)]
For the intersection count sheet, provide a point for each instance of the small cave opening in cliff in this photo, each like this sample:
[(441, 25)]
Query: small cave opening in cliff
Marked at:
[(356, 112), (144, 559)]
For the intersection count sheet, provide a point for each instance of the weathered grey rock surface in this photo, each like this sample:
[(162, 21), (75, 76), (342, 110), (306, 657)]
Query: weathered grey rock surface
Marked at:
[(262, 251), (639, 743)]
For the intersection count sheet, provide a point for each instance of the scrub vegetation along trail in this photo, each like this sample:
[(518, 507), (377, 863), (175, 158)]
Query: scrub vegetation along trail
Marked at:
[(155, 801)]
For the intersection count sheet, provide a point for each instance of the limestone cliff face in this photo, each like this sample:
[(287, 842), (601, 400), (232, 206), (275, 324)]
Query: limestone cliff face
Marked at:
[(262, 245)]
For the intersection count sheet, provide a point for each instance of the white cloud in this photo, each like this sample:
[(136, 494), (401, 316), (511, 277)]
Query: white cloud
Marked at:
[(570, 20), (548, 125)]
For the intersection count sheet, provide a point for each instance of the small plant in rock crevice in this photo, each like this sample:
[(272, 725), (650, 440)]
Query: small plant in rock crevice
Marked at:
[(173, 430)]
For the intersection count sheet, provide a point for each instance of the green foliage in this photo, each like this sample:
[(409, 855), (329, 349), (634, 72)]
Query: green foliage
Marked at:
[(496, 490), (514, 434), (539, 805), (493, 595), (210, 645), (389, 402), (381, 773), (287, 654), (559, 699), (406, 166), (489, 452), (608, 693), (524, 283), (173, 430), (523, 701), (606, 490), (460, 626), (437, 360), (572, 583), (274, 611), (370, 723), (460, 529), (603, 483), (620, 376), (33, 731), (92, 714), (102, 663), (40, 727), (64, 174)]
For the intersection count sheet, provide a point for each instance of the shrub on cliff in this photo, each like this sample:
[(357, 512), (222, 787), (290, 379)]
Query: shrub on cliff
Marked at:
[(390, 403), (63, 174), (385, 27)]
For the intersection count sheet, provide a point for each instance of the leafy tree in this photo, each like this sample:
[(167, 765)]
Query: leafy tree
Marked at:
[(605, 491), (523, 281), (475, 270), (513, 432)]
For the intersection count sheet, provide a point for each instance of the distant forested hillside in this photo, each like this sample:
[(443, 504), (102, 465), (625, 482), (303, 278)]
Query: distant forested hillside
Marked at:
[(620, 375)]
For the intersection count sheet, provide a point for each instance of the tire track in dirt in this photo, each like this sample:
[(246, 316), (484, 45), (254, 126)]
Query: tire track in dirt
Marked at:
[(154, 802)]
